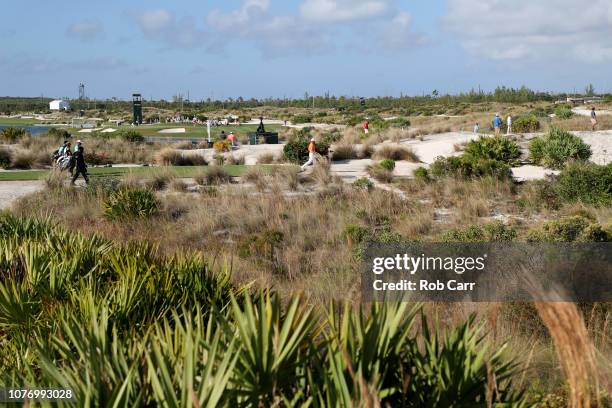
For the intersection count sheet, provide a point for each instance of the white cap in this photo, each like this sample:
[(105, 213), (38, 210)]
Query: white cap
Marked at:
[(312, 140), (79, 141)]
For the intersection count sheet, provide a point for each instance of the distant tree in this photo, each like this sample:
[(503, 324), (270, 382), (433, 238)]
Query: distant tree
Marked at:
[(589, 90)]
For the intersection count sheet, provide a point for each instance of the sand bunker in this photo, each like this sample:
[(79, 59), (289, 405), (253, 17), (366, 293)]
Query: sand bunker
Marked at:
[(587, 112), (109, 130), (172, 130)]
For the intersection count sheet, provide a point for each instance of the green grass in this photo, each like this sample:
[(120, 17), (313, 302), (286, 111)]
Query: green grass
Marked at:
[(18, 121), (233, 170)]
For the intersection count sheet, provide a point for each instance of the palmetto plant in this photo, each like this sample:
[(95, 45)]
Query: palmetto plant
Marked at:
[(124, 327)]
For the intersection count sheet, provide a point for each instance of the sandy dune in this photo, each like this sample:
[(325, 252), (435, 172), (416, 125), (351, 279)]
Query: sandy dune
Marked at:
[(13, 190)]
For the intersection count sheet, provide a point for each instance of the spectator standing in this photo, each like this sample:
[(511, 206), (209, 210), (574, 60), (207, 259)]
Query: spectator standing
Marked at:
[(593, 119), (497, 122), (509, 123)]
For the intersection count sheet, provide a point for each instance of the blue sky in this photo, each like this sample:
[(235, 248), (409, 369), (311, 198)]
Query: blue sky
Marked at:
[(273, 48)]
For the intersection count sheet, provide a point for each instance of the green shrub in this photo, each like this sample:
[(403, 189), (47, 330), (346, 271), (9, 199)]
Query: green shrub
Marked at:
[(296, 149), (11, 134), (557, 148), (132, 136), (563, 112), (491, 232), (421, 173), (363, 183), (586, 182), (542, 112), (130, 203), (466, 167), (526, 124), (297, 119), (388, 164), (569, 229), (498, 148), (6, 157), (400, 122)]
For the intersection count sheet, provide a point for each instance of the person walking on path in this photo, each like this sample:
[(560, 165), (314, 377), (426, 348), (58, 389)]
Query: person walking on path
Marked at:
[(476, 129), (366, 127), (312, 149), (497, 122), (72, 160), (81, 167), (593, 119), (509, 123)]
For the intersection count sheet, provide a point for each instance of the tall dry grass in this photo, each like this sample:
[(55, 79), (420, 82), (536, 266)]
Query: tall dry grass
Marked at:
[(575, 350)]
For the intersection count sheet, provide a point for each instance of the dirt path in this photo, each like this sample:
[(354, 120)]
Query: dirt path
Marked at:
[(10, 191)]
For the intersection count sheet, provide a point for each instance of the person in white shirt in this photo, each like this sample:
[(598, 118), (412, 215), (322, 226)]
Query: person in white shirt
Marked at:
[(476, 129), (509, 122)]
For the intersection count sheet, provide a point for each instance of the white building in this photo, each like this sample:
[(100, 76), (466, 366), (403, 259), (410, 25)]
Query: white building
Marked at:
[(59, 105)]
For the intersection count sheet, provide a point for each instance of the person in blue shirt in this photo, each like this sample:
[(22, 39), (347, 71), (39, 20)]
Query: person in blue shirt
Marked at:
[(497, 123)]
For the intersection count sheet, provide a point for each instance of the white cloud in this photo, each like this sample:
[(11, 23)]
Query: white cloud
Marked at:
[(162, 25), (274, 35), (333, 11), (85, 30), (527, 29), (398, 34)]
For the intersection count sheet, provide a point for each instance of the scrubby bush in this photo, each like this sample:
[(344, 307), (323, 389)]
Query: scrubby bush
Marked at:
[(382, 173), (97, 159), (130, 203), (563, 112), (586, 182), (542, 112), (130, 135), (395, 152), (387, 164), (173, 157), (570, 229), (213, 176), (296, 149), (235, 159), (494, 148), (526, 124), (557, 148), (363, 183), (11, 134), (422, 174), (344, 152), (266, 158), (6, 157), (297, 119), (400, 122), (466, 166), (491, 232), (59, 133), (23, 159)]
